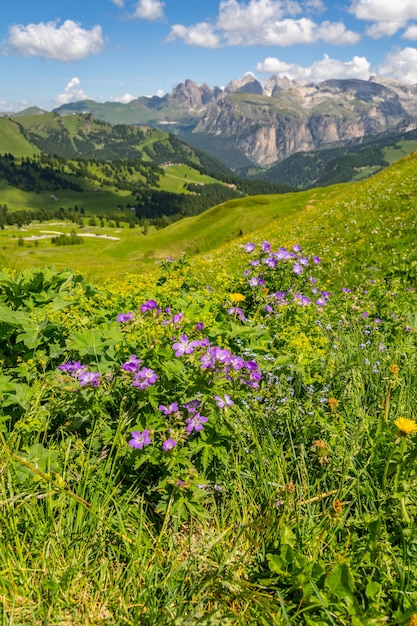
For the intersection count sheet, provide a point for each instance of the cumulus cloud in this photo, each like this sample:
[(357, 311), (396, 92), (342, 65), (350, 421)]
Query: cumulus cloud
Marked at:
[(386, 17), (73, 92), (125, 99), (149, 9), (400, 65), (263, 22), (201, 35), (326, 68), (411, 33), (68, 42)]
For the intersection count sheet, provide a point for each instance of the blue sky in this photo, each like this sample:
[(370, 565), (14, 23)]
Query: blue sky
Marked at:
[(55, 51)]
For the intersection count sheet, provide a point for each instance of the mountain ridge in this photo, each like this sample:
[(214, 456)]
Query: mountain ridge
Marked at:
[(267, 123)]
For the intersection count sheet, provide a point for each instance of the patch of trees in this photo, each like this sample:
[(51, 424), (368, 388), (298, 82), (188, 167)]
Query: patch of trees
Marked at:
[(152, 203), (30, 175), (67, 240)]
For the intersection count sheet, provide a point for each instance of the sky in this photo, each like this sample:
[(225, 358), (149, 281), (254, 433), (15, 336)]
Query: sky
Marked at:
[(57, 51)]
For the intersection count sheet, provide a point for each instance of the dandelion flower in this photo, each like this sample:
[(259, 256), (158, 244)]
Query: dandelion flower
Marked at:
[(237, 297), (406, 426)]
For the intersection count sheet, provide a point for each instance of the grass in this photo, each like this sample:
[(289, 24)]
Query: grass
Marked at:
[(296, 505)]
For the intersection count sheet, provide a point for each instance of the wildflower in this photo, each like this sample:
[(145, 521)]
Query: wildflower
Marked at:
[(140, 439), (222, 403), (406, 426), (320, 448), (149, 305), (132, 364), (249, 247), (316, 260), (183, 346), (297, 268), (296, 247), (333, 403), (237, 297), (72, 367), (89, 378), (167, 410), (144, 378), (413, 620), (192, 405), (199, 326), (196, 422), (124, 317), (169, 444), (337, 506), (266, 246)]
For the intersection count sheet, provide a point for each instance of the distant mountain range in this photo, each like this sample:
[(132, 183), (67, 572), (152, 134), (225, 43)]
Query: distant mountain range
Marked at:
[(249, 124)]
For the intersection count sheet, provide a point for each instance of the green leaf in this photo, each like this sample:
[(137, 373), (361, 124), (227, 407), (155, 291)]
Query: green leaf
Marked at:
[(340, 583)]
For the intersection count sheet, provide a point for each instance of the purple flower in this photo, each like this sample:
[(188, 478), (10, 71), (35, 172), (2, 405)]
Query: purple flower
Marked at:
[(199, 326), (132, 364), (72, 367), (266, 246), (256, 281), (149, 305), (297, 268), (167, 410), (140, 439), (196, 423), (281, 254), (144, 378), (125, 317), (184, 346), (222, 403), (297, 248), (249, 247), (192, 405), (169, 444), (89, 378), (317, 260)]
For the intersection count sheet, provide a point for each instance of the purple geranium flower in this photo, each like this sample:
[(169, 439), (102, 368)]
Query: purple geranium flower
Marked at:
[(192, 405), (149, 305), (132, 364), (140, 439), (184, 346), (89, 378), (249, 247), (169, 444), (224, 402), (72, 367), (144, 378), (125, 317), (196, 422), (297, 268), (167, 410)]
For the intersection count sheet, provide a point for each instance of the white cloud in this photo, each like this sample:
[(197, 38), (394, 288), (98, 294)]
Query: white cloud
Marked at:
[(400, 65), (263, 22), (411, 32), (387, 16), (201, 35), (149, 9), (326, 68), (65, 43), (73, 92), (125, 99), (118, 3)]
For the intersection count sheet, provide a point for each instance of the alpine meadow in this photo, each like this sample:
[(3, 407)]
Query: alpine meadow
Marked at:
[(208, 406)]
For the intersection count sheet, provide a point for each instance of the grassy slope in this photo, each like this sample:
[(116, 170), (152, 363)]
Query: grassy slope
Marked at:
[(365, 221), (13, 141)]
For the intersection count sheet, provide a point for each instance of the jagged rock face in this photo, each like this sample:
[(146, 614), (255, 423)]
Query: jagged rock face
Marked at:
[(269, 122)]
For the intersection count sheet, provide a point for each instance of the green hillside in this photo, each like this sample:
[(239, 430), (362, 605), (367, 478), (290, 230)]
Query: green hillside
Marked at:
[(363, 223), (13, 141)]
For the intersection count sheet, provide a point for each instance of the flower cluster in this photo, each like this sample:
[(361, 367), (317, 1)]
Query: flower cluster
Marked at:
[(81, 373)]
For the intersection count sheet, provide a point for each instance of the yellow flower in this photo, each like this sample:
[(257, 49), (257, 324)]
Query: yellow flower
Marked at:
[(413, 620), (406, 426), (237, 297)]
